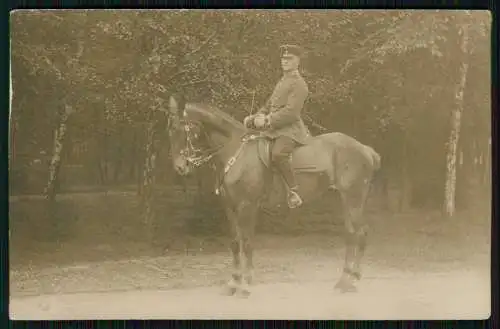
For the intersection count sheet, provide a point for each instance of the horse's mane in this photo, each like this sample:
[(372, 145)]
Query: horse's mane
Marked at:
[(216, 116)]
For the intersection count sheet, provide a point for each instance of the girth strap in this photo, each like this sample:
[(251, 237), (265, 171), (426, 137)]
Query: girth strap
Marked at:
[(244, 140)]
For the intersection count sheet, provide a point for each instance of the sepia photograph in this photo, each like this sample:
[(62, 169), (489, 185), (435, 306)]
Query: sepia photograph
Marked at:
[(250, 164)]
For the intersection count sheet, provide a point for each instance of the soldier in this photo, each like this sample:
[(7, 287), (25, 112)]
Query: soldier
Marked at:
[(280, 118)]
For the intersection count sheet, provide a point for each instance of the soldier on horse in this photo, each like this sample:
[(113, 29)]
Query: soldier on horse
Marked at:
[(280, 118), (330, 160)]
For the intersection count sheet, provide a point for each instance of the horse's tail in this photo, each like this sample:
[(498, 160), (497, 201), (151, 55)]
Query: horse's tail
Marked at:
[(377, 160)]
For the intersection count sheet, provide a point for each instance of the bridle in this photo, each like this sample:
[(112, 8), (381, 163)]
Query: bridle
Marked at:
[(196, 157), (193, 155)]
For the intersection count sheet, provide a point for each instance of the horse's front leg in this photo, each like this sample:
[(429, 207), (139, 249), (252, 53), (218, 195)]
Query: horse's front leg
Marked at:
[(235, 248), (247, 220), (242, 220)]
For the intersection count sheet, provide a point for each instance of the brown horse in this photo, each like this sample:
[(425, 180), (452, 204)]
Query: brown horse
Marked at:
[(199, 133)]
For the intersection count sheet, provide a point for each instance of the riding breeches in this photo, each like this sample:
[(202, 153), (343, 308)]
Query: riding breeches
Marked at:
[(281, 150)]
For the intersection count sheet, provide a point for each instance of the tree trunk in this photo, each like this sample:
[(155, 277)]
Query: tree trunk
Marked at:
[(103, 156), (466, 174), (118, 157), (53, 181), (406, 182), (148, 181), (134, 172), (451, 160), (55, 163)]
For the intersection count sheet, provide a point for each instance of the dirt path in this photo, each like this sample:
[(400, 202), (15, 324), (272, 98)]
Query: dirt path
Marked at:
[(383, 294), (433, 271)]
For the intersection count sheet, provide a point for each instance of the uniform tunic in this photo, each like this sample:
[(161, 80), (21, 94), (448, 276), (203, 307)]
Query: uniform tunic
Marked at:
[(285, 106)]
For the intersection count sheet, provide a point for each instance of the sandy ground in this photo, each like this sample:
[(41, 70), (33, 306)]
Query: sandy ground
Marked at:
[(452, 295), (428, 270)]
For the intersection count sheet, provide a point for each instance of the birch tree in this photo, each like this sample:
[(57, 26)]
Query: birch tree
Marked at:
[(59, 61), (419, 30), (456, 120), (128, 62), (55, 163)]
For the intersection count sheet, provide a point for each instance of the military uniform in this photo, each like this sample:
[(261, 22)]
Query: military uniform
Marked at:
[(283, 122), (285, 106)]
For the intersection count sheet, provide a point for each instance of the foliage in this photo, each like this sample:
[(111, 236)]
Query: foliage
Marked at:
[(385, 77)]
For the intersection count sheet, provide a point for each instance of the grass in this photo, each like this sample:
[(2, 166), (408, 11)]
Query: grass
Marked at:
[(99, 252), (206, 262)]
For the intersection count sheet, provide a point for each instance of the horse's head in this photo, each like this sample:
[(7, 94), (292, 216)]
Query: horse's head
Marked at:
[(183, 135), (198, 133)]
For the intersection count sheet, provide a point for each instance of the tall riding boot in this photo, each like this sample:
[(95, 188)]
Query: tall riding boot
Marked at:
[(294, 199)]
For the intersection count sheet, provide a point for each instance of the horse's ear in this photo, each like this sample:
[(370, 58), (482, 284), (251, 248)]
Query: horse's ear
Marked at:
[(182, 101), (173, 107), (177, 104)]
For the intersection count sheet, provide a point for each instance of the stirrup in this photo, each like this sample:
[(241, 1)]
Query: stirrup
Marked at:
[(294, 199)]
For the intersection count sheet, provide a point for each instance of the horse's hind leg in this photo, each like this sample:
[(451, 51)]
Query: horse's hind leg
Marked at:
[(356, 230)]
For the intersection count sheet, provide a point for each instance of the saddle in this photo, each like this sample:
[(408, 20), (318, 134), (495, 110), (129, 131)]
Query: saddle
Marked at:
[(309, 158), (302, 158)]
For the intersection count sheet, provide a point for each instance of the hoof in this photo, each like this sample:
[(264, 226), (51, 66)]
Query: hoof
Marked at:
[(356, 275), (229, 291), (243, 293), (345, 285), (248, 279), (244, 290), (230, 288)]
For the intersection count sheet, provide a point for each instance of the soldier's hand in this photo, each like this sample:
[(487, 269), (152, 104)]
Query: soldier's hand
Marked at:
[(248, 121), (260, 121)]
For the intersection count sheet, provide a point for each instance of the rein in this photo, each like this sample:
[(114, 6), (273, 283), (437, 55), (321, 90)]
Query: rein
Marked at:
[(195, 156)]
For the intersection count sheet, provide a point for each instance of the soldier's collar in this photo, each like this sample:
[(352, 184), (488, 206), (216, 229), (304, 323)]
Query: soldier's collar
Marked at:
[(289, 73)]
